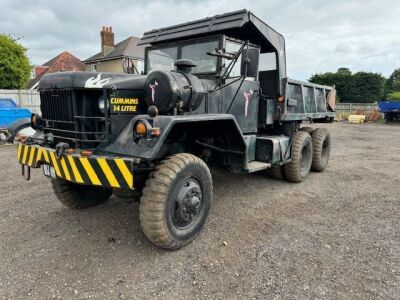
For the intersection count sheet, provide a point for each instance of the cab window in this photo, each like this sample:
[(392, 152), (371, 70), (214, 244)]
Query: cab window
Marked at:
[(162, 59), (198, 53)]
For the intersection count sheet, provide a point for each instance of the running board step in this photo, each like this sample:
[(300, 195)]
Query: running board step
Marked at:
[(255, 166)]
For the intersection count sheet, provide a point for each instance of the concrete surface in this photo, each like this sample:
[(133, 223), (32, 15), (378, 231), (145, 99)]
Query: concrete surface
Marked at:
[(335, 236)]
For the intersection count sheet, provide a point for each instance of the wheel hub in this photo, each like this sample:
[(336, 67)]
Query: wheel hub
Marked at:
[(187, 203)]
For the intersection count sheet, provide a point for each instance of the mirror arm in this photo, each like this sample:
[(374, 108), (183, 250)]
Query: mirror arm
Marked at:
[(230, 66), (223, 55)]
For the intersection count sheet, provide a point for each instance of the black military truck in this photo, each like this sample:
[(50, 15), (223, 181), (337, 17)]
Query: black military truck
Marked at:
[(214, 91)]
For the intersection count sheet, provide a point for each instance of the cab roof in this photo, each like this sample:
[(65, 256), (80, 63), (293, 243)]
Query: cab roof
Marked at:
[(241, 24)]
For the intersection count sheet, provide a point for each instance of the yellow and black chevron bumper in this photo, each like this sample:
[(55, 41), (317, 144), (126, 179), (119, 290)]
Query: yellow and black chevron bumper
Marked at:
[(103, 171)]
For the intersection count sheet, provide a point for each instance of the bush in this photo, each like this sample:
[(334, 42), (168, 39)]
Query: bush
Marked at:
[(395, 96)]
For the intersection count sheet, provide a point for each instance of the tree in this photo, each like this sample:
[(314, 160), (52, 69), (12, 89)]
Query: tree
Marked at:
[(341, 80), (393, 83), (344, 71), (393, 96), (14, 64), (359, 87), (366, 87)]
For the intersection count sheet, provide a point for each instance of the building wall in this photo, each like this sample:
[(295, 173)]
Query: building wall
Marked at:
[(113, 66)]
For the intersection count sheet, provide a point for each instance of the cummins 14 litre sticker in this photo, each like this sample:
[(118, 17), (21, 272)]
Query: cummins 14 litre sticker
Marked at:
[(124, 105)]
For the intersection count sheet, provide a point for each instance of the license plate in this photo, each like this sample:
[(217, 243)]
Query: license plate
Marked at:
[(48, 171)]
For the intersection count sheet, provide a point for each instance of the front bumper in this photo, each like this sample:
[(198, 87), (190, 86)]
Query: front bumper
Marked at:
[(106, 171)]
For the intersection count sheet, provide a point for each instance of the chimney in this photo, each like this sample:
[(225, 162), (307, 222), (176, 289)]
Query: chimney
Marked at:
[(107, 40)]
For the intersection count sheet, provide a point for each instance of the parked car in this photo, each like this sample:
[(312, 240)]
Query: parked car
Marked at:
[(14, 120)]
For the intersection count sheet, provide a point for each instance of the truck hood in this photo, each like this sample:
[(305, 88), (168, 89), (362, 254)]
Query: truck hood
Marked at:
[(91, 80)]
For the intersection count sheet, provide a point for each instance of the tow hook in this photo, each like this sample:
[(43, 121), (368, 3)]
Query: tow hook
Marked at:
[(26, 172), (60, 149)]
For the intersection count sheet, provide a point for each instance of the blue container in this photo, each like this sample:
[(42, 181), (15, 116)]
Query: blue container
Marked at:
[(389, 106), (9, 112)]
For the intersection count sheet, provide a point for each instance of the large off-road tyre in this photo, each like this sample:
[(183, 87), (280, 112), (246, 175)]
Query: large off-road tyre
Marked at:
[(276, 172), (79, 196), (321, 149), (302, 152), (175, 201), (127, 196), (309, 130)]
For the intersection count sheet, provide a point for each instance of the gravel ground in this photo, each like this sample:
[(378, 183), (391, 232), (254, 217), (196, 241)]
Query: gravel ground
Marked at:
[(335, 236)]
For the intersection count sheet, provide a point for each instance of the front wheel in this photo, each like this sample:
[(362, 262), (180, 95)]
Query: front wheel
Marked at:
[(175, 201)]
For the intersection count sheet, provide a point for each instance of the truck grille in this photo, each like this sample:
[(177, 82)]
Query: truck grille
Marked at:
[(57, 105), (72, 116)]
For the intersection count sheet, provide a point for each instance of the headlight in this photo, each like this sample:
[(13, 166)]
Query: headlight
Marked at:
[(102, 104), (35, 121)]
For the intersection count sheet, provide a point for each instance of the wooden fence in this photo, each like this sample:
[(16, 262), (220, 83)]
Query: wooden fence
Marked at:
[(24, 98)]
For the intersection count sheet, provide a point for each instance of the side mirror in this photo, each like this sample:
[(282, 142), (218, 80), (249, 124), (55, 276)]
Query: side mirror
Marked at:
[(249, 64)]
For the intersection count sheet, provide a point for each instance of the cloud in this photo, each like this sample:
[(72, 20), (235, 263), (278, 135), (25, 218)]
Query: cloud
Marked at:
[(321, 35)]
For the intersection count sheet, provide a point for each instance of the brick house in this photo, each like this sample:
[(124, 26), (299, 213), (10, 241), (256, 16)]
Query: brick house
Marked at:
[(124, 57), (65, 61)]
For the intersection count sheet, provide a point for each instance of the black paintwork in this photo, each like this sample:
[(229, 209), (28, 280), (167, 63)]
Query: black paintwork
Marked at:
[(63, 80), (148, 150), (242, 25), (212, 115)]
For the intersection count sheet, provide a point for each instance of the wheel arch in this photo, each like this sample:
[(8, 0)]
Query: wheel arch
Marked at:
[(219, 135), (173, 129)]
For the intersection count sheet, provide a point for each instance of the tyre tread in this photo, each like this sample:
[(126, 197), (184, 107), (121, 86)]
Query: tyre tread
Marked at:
[(318, 137), (292, 169), (153, 201)]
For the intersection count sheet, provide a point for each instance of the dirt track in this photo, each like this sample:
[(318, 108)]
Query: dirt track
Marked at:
[(335, 236)]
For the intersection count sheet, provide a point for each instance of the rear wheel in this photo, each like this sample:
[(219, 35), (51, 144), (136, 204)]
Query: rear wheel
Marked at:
[(302, 152), (276, 172), (309, 130), (79, 196), (176, 200), (321, 149)]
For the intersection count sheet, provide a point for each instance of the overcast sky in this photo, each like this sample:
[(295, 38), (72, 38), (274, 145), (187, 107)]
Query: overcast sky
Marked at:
[(321, 35)]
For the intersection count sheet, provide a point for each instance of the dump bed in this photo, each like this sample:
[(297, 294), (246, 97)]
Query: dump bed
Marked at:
[(305, 100), (389, 106)]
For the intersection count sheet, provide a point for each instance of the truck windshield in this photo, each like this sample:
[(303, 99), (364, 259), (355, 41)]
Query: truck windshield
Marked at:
[(164, 58)]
